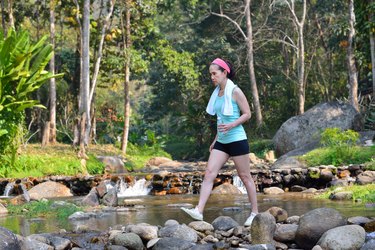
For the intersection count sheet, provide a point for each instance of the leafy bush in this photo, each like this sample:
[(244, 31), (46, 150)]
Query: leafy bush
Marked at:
[(261, 147), (341, 144), (22, 72), (365, 193)]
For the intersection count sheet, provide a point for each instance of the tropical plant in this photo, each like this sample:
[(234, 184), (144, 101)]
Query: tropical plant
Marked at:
[(22, 71)]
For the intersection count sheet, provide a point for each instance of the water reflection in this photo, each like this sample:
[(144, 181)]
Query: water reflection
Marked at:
[(158, 209)]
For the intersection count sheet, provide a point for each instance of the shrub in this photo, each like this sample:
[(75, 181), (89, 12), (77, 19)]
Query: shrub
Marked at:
[(342, 144)]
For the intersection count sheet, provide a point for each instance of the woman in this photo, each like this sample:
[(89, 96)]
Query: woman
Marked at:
[(230, 105)]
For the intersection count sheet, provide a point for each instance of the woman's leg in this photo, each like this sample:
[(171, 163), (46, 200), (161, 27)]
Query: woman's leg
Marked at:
[(242, 163), (216, 160)]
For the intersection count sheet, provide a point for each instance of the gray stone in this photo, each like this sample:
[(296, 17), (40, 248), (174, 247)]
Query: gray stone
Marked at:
[(224, 223), (201, 226), (349, 237), (263, 228), (285, 232), (145, 231), (179, 231), (313, 224), (305, 129), (129, 240), (8, 240), (369, 245), (110, 198), (169, 243)]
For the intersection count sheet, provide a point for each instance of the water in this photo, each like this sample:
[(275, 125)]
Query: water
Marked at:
[(158, 209)]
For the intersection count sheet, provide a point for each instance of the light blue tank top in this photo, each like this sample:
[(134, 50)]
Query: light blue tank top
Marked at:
[(235, 134)]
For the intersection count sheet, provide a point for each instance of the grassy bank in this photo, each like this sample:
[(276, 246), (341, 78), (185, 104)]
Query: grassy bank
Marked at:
[(61, 159), (364, 193)]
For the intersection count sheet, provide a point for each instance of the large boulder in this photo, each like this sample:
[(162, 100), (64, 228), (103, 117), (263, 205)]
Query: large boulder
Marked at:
[(49, 189), (313, 224), (305, 129)]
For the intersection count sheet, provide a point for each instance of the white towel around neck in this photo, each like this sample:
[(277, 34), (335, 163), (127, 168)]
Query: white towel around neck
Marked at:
[(227, 107)]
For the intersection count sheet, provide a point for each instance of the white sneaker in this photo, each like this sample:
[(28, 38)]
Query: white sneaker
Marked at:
[(250, 220), (193, 212)]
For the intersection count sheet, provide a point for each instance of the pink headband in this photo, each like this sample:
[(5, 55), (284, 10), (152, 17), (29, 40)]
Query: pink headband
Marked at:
[(221, 63)]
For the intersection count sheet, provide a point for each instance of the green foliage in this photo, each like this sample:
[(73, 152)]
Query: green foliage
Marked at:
[(261, 146), (342, 144), (44, 208), (57, 160), (22, 64), (137, 156), (330, 156), (364, 193)]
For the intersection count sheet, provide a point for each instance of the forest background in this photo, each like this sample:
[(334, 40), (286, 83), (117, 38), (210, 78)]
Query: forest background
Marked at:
[(135, 73)]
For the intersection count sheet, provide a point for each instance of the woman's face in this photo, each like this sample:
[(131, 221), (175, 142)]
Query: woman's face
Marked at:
[(217, 76)]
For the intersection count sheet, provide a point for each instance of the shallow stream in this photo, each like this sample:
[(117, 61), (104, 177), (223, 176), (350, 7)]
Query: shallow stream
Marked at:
[(155, 210)]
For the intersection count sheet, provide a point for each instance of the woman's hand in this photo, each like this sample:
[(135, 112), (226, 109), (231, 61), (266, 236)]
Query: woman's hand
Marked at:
[(225, 127)]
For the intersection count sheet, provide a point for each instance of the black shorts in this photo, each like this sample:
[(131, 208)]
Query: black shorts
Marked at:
[(234, 148)]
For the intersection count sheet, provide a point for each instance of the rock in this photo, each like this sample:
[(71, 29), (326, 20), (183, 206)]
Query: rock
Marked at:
[(280, 214), (370, 226), (226, 188), (285, 232), (3, 210), (263, 229), (366, 177), (293, 219), (201, 226), (297, 188), (179, 231), (169, 243), (341, 196), (8, 240), (349, 237), (305, 129), (270, 156), (110, 198), (288, 163), (369, 245), (91, 199), (129, 240), (313, 224), (113, 164), (224, 223), (273, 190), (261, 247), (145, 231), (156, 161), (49, 189), (358, 220)]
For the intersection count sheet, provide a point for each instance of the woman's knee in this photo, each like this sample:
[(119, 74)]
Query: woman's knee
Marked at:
[(209, 175)]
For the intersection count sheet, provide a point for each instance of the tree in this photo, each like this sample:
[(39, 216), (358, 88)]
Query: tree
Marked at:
[(248, 37), (352, 69), (51, 126), (127, 44), (299, 23)]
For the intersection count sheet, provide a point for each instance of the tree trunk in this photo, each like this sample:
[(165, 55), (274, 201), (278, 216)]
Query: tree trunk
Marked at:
[(372, 49), (3, 22), (100, 50), (10, 14), (85, 105), (352, 69), (301, 71), (52, 86), (127, 44), (250, 56)]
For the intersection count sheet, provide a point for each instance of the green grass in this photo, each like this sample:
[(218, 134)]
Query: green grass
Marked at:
[(365, 193), (333, 156), (137, 156), (61, 159), (43, 208)]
